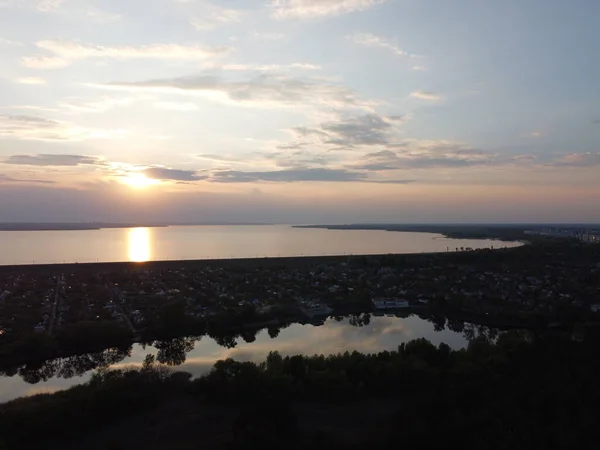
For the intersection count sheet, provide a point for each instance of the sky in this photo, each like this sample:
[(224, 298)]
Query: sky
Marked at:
[(300, 111)]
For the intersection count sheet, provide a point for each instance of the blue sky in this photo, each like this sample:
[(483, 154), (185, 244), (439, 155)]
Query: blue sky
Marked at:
[(300, 110)]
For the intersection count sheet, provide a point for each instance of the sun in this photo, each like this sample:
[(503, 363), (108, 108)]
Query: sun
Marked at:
[(139, 180)]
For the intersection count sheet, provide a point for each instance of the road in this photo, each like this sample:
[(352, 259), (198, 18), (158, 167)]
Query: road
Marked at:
[(59, 278)]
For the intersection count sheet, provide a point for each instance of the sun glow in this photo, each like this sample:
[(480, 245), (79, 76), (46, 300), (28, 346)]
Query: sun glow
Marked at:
[(139, 180), (139, 245)]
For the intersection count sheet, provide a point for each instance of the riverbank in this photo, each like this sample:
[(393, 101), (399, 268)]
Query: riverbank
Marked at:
[(87, 226), (418, 392)]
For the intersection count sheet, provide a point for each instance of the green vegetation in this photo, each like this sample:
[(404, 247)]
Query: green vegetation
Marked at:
[(519, 391), (76, 338)]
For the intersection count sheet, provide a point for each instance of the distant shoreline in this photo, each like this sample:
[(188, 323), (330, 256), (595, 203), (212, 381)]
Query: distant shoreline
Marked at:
[(94, 226), (499, 232)]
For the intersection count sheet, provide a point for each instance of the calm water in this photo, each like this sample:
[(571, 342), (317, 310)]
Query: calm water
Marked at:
[(208, 242), (383, 333)]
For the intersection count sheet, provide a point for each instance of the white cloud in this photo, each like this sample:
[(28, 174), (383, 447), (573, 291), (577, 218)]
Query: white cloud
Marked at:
[(66, 51), (269, 36), (265, 67), (38, 128), (177, 106), (102, 16), (209, 17), (31, 80), (426, 95), (79, 105), (49, 5), (308, 9), (43, 62), (38, 5), (4, 41), (265, 90), (371, 40), (536, 134)]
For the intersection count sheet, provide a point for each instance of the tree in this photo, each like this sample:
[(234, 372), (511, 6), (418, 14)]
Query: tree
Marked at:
[(173, 352)]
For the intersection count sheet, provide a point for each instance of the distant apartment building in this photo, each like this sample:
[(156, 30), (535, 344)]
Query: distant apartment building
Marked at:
[(591, 236)]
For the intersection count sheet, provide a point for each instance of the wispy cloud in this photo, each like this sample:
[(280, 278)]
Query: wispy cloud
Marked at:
[(4, 41), (38, 128), (102, 16), (31, 80), (265, 90), (177, 106), (66, 51), (162, 173), (51, 160), (43, 62), (92, 106), (578, 160), (49, 5), (45, 6), (7, 179), (208, 16), (372, 40), (348, 132), (298, 175), (269, 36), (264, 67), (310, 9), (426, 95)]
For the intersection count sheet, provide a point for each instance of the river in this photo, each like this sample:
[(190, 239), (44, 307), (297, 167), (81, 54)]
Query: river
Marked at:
[(198, 355), (216, 242)]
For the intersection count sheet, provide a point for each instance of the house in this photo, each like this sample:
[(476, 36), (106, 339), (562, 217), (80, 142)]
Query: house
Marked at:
[(390, 303)]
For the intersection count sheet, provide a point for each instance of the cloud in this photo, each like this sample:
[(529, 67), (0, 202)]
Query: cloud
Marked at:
[(45, 6), (371, 40), (31, 80), (311, 9), (162, 173), (51, 160), (292, 146), (4, 41), (49, 5), (80, 105), (66, 51), (102, 16), (426, 95), (7, 179), (535, 134), (429, 154), (596, 122), (368, 129), (37, 128), (177, 106), (265, 67), (43, 62), (297, 175), (269, 36), (222, 158), (265, 90), (578, 160), (211, 16)]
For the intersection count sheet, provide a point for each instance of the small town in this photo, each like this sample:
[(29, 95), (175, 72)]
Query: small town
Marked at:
[(538, 282)]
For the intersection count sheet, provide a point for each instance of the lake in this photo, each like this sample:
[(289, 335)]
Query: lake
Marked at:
[(215, 242), (381, 333)]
